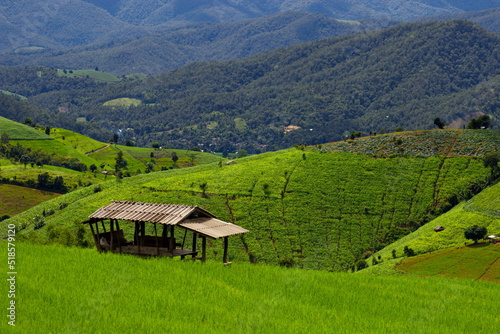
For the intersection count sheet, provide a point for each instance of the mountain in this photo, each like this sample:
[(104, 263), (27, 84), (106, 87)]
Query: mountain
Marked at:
[(490, 18), (404, 76), (155, 51)]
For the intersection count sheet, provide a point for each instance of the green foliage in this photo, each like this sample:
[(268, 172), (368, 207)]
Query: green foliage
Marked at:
[(325, 211), (475, 233), (386, 79)]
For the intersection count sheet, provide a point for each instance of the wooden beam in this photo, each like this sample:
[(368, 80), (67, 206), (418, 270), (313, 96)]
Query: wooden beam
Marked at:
[(91, 224), (103, 226), (226, 244), (111, 237), (118, 234), (171, 245), (98, 237), (156, 237), (203, 248), (195, 236)]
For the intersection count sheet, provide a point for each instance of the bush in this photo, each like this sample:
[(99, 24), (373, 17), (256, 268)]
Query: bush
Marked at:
[(408, 251), (475, 232)]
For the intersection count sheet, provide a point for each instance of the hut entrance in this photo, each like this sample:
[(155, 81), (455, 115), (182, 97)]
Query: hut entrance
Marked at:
[(159, 239)]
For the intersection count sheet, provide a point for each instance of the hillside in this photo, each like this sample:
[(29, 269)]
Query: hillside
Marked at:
[(480, 210), (401, 77), (163, 48), (303, 208), (477, 262), (64, 161)]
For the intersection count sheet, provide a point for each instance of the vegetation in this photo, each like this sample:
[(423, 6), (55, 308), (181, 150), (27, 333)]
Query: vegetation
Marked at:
[(481, 209), (72, 290), (475, 233), (472, 262), (307, 208), (246, 104)]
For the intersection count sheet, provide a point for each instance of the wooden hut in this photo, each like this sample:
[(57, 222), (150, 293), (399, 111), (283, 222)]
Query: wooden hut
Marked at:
[(109, 236)]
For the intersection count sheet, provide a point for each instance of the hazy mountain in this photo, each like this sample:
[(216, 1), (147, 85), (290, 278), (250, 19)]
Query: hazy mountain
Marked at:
[(403, 76), (154, 51)]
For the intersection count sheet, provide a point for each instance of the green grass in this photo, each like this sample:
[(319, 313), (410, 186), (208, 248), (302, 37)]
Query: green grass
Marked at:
[(122, 102), (96, 75), (21, 97), (478, 261), (321, 210), (480, 210), (18, 131), (15, 199), (70, 290)]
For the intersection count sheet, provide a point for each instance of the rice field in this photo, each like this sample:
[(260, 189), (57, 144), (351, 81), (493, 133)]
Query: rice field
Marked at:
[(72, 290)]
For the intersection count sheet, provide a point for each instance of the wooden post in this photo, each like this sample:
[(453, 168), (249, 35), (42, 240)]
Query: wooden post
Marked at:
[(98, 237), (103, 226), (226, 243), (118, 234), (164, 236), (203, 248), (91, 224), (195, 236), (171, 245), (156, 238), (137, 240), (111, 224)]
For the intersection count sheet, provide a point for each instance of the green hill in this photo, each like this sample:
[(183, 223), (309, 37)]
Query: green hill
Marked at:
[(17, 131), (79, 290), (304, 208), (480, 210), (479, 261)]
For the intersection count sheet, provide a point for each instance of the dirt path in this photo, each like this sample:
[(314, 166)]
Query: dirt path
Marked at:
[(99, 149)]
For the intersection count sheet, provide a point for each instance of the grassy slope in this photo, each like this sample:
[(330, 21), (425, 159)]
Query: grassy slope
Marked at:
[(479, 261), (96, 75), (71, 290), (20, 131), (15, 199), (322, 210), (481, 210)]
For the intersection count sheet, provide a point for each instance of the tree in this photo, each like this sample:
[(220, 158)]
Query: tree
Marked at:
[(93, 168), (120, 161), (174, 157), (482, 122), (475, 233), (439, 123), (47, 130), (491, 160), (242, 153), (43, 180), (25, 159), (115, 138), (155, 145)]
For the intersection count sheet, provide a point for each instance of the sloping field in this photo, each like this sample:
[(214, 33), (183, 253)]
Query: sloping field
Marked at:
[(18, 131), (423, 143), (72, 290), (303, 208), (15, 199), (479, 261), (482, 210)]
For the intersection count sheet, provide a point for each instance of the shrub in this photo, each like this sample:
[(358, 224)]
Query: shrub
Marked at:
[(475, 232)]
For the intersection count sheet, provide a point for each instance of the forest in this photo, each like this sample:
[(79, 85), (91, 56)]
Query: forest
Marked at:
[(401, 77)]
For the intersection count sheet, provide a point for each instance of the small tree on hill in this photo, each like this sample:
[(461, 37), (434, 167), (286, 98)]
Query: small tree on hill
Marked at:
[(439, 123), (491, 160), (475, 233)]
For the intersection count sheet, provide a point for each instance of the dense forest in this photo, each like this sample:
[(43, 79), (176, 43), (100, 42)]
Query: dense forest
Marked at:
[(401, 77)]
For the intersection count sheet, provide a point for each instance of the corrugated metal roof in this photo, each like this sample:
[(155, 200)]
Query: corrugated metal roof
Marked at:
[(167, 214), (212, 227)]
